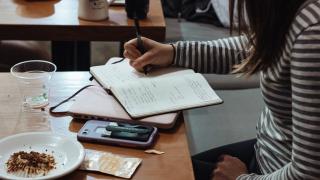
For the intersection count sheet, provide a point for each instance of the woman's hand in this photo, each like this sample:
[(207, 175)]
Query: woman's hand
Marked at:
[(156, 54), (229, 168)]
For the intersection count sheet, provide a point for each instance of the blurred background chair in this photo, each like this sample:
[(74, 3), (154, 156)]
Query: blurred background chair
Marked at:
[(12, 52)]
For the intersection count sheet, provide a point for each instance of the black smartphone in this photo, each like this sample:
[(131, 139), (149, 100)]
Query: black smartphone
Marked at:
[(118, 133)]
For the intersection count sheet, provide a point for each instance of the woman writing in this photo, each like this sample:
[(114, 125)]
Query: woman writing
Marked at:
[(280, 39)]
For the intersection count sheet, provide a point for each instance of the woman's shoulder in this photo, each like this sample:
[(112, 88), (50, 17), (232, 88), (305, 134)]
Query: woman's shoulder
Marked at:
[(307, 15)]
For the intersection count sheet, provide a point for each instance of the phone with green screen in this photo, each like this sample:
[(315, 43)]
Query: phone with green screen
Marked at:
[(118, 133)]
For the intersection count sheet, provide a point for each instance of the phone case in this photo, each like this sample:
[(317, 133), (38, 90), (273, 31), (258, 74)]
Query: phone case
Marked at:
[(95, 131)]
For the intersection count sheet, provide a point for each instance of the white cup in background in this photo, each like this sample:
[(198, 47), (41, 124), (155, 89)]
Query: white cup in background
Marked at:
[(94, 10)]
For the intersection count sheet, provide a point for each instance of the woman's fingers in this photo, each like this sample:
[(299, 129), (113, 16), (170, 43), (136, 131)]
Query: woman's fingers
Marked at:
[(229, 167), (128, 55), (132, 49), (221, 157), (143, 60), (130, 42), (156, 54)]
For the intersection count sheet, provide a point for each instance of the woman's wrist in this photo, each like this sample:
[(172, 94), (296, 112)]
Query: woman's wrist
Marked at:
[(170, 54), (174, 53), (165, 55)]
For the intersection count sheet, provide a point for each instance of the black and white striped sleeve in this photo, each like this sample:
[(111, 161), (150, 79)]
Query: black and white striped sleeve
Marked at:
[(218, 56), (305, 85)]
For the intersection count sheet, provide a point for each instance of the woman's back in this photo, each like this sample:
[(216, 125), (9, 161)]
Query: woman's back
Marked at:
[(290, 87)]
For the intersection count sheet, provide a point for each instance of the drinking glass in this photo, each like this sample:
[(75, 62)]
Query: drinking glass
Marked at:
[(33, 78)]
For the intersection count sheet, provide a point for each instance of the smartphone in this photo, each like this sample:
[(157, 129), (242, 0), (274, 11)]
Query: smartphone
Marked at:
[(118, 133)]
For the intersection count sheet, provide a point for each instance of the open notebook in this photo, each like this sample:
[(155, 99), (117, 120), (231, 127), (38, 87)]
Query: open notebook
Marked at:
[(161, 91)]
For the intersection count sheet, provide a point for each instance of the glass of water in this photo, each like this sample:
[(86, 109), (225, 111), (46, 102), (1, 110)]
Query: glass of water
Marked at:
[(33, 78)]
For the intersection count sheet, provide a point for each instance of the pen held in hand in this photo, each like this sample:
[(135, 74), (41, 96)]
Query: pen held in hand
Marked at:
[(140, 46)]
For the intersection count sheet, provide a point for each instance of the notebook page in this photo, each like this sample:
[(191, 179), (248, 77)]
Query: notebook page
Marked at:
[(120, 73), (165, 94)]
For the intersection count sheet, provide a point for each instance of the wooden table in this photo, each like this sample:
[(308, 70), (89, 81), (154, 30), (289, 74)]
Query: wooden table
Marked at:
[(175, 164), (57, 20)]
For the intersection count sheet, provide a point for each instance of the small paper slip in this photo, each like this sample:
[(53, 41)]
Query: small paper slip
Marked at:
[(153, 151), (109, 163)]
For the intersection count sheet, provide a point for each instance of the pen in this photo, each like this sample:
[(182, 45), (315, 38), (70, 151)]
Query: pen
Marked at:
[(140, 46)]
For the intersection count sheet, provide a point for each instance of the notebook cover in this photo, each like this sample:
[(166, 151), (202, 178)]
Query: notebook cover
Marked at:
[(95, 103)]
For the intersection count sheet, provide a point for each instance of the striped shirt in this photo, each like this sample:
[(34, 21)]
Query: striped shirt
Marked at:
[(288, 133)]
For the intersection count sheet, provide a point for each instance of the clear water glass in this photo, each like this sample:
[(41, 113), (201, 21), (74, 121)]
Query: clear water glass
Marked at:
[(33, 77)]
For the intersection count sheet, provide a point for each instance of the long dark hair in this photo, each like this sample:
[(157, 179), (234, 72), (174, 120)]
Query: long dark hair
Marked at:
[(266, 25)]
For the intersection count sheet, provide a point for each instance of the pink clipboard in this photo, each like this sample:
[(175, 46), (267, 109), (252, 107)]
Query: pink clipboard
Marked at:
[(94, 102)]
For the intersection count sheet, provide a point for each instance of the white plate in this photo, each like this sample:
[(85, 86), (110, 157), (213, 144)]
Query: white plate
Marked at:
[(68, 153)]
